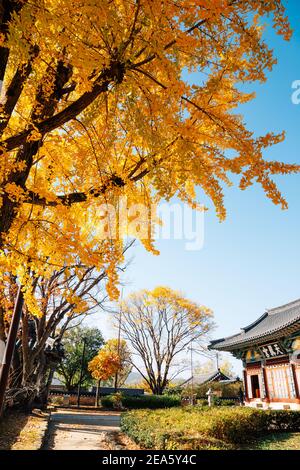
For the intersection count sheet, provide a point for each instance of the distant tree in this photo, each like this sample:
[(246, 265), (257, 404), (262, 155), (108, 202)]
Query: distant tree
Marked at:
[(69, 369), (104, 366), (122, 351), (144, 385), (225, 367), (160, 324)]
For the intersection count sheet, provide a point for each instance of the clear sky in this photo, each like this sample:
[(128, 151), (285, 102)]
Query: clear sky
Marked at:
[(251, 261)]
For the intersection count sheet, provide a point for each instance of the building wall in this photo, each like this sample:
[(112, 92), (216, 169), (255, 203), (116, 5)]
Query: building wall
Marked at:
[(274, 405), (278, 382)]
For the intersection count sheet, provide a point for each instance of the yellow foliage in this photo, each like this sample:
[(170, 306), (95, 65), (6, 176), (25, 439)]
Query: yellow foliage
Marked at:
[(104, 365), (106, 109)]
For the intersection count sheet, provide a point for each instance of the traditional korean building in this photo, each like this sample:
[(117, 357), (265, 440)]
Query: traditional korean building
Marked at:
[(212, 377), (207, 378), (270, 351)]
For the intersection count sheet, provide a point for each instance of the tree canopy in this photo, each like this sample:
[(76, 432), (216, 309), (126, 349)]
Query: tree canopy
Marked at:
[(106, 363), (159, 325), (98, 102), (121, 350), (70, 367)]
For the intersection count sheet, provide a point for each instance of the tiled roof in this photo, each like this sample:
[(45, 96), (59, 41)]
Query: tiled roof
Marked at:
[(270, 325), (208, 377)]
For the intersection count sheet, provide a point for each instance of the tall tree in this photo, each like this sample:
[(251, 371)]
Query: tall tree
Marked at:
[(96, 103), (64, 301), (159, 325), (70, 367)]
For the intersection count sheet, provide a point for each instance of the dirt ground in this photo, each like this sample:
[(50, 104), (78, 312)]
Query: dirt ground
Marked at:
[(20, 431)]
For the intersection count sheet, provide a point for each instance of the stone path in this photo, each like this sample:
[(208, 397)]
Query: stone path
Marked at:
[(75, 430)]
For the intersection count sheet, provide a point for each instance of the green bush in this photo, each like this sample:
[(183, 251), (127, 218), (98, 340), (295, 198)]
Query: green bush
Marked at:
[(144, 401), (224, 402), (205, 428), (202, 402)]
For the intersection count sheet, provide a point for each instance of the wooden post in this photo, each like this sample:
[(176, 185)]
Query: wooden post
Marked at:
[(10, 347), (81, 373), (296, 385), (246, 385), (265, 384)]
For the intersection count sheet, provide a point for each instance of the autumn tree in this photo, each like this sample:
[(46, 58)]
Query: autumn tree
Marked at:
[(104, 366), (159, 325), (65, 300), (121, 349), (97, 102)]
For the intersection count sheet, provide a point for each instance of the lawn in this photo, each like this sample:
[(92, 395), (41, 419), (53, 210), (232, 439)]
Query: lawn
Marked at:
[(277, 441), (218, 428)]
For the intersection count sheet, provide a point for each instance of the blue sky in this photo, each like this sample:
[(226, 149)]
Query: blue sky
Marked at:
[(251, 261)]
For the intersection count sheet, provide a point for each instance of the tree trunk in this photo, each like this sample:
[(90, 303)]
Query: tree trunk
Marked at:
[(31, 377), (97, 394)]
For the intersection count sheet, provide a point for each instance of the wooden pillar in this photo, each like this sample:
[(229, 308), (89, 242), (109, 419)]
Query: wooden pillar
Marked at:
[(267, 396), (246, 384), (296, 385)]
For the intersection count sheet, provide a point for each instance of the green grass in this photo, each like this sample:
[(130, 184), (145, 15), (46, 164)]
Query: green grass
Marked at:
[(277, 441)]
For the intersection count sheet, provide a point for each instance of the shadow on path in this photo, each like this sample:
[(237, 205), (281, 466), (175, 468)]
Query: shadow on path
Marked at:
[(81, 431)]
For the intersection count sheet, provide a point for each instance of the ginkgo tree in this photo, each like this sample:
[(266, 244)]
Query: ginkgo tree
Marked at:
[(160, 326), (97, 102), (104, 366), (120, 348)]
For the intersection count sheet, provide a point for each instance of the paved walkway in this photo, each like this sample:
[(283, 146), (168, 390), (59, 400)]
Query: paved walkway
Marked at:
[(75, 430)]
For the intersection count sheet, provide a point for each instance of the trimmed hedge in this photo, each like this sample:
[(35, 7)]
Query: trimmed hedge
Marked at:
[(206, 428), (144, 401)]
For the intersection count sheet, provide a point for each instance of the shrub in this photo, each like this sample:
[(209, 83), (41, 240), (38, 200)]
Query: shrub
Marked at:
[(117, 401), (204, 427), (143, 401), (202, 402), (234, 426), (56, 400), (224, 402)]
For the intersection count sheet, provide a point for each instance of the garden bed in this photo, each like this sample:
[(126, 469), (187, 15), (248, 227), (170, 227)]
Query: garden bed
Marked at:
[(205, 428)]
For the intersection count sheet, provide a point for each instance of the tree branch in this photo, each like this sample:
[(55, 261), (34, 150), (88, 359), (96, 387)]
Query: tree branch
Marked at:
[(113, 74)]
